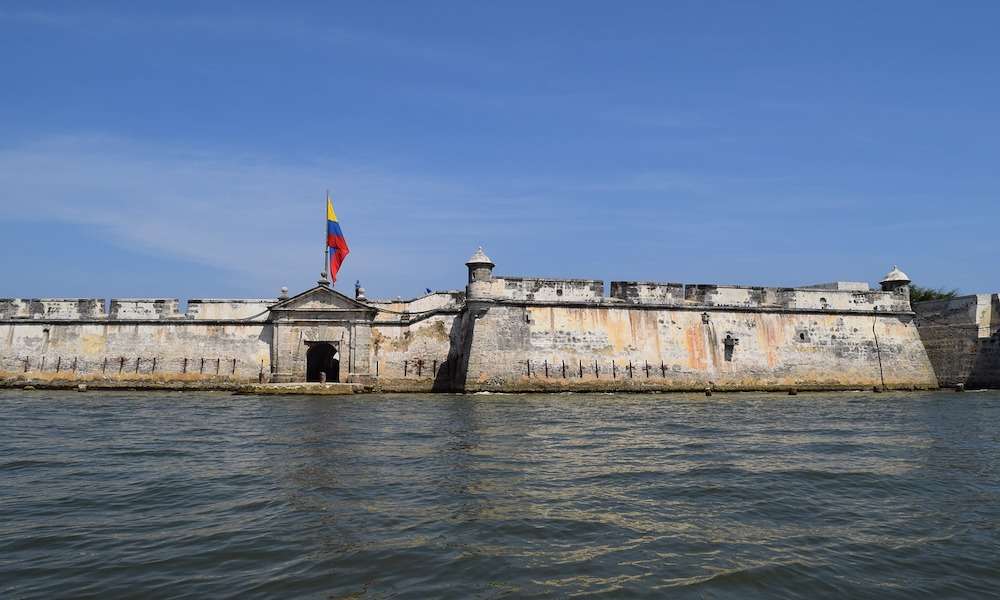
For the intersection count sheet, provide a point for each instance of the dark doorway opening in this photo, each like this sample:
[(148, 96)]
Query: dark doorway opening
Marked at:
[(322, 357)]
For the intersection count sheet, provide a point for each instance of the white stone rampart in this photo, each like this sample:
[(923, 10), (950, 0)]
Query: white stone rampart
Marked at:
[(531, 346), (181, 350), (449, 300), (144, 309), (223, 309), (52, 308), (545, 289)]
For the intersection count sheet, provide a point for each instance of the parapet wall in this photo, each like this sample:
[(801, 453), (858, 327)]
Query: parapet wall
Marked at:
[(145, 309), (434, 301), (131, 309), (842, 296), (543, 289), (52, 308), (223, 309)]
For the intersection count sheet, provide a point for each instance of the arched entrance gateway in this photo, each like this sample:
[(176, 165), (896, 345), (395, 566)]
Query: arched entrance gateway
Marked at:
[(317, 331), (322, 357)]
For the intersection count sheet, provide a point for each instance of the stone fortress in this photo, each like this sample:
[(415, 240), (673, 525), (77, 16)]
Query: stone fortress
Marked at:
[(506, 333)]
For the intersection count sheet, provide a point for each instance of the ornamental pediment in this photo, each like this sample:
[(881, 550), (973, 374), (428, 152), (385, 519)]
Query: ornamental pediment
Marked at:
[(320, 299)]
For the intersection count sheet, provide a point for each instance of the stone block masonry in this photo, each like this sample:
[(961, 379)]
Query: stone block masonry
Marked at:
[(962, 338), (499, 334), (548, 334)]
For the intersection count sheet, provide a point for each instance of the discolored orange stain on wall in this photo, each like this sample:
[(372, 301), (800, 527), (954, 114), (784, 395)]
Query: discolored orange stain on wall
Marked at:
[(694, 343), (769, 334)]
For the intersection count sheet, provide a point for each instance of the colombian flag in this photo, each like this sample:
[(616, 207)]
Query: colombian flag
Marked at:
[(334, 240)]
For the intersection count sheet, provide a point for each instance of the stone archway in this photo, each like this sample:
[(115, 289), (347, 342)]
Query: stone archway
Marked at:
[(322, 357)]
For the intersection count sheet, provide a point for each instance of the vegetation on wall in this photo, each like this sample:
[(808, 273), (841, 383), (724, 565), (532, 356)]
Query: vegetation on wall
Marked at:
[(923, 294)]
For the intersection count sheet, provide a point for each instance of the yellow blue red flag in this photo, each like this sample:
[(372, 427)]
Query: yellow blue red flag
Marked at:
[(335, 240)]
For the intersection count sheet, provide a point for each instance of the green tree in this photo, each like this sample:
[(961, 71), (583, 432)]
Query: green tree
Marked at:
[(923, 294)]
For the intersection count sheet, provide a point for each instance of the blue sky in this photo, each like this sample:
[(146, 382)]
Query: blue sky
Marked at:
[(183, 149)]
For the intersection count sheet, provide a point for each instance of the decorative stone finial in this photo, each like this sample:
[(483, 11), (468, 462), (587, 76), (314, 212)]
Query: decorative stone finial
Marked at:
[(359, 292), (284, 293)]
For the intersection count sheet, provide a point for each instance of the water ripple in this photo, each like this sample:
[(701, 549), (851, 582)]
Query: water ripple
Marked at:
[(500, 496)]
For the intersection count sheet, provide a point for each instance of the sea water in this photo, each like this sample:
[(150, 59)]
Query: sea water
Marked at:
[(490, 496)]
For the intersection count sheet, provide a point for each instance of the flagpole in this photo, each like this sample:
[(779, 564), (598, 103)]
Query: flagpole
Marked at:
[(326, 247)]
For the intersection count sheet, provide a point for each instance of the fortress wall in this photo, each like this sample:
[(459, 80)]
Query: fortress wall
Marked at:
[(962, 338), (224, 309), (832, 296), (414, 356), (145, 308), (52, 308), (648, 292), (432, 301), (721, 295), (851, 286), (767, 351), (898, 301), (97, 349), (545, 289)]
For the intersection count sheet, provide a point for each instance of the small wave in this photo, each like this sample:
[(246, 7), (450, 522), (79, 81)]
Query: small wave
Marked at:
[(27, 463)]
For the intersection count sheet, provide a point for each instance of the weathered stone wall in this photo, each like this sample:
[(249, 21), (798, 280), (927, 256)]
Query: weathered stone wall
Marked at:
[(140, 350), (414, 355), (504, 333), (51, 308), (832, 296), (411, 340), (530, 346), (962, 338), (222, 309), (434, 301), (544, 289)]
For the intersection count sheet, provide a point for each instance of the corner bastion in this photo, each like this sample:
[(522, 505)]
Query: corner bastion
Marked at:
[(962, 337)]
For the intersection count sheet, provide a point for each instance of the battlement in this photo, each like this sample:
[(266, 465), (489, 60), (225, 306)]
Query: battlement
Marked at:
[(52, 308), (648, 292), (144, 308), (547, 289), (228, 308), (838, 296), (447, 300), (130, 309)]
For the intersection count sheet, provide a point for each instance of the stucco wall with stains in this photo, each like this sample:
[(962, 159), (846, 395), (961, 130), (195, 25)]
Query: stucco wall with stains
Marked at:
[(525, 346), (140, 351), (502, 333)]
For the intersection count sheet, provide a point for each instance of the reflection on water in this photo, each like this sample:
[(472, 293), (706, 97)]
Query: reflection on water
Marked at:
[(500, 496)]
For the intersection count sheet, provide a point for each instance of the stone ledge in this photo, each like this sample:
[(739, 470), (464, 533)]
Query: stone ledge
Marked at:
[(311, 389)]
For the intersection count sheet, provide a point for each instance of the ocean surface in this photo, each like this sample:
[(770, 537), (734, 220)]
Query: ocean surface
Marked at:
[(203, 495)]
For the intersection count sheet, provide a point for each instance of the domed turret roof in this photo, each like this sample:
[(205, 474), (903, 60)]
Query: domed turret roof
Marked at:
[(479, 258), (895, 275)]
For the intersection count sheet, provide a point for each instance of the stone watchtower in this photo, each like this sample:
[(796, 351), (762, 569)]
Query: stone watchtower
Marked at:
[(480, 275), (895, 280)]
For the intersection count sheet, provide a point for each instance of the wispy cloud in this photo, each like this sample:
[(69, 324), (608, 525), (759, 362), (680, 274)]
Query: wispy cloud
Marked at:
[(259, 218), (277, 27), (250, 215)]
